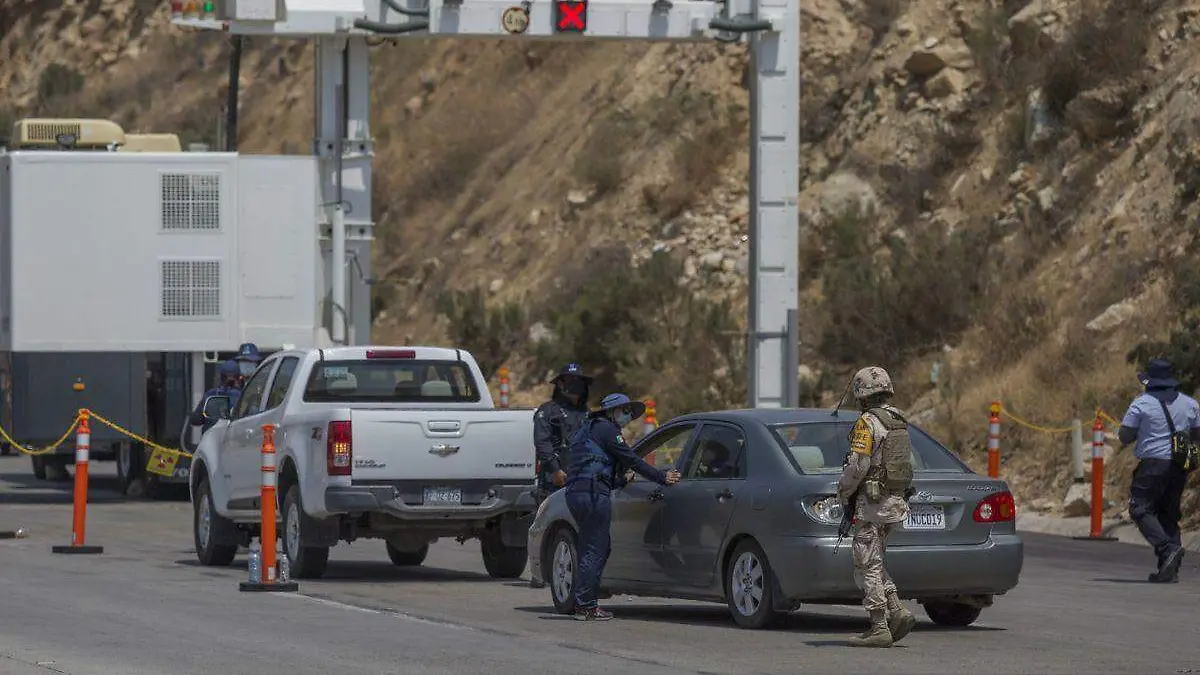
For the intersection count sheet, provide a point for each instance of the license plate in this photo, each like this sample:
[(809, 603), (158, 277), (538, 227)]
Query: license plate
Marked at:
[(440, 495), (925, 517)]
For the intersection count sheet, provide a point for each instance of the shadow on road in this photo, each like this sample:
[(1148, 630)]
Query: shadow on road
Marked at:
[(366, 572), (717, 616), (24, 488)]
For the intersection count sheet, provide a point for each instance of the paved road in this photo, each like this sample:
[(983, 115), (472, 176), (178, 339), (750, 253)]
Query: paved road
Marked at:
[(146, 607)]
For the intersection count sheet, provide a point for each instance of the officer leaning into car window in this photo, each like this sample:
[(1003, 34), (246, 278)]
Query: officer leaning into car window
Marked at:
[(599, 460), (877, 508), (554, 425), (230, 386), (1156, 490)]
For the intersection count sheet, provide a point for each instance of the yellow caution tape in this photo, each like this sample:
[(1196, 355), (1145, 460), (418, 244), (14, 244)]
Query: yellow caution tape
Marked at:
[(1030, 425), (1107, 418), (40, 451), (162, 461)]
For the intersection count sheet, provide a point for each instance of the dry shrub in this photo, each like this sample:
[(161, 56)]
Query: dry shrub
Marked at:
[(1019, 319), (1106, 44)]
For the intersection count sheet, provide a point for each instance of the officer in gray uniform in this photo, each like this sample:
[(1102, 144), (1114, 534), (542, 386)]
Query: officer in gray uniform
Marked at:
[(876, 484)]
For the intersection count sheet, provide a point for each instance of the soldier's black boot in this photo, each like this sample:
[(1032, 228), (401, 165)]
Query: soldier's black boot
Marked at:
[(878, 635), (900, 620)]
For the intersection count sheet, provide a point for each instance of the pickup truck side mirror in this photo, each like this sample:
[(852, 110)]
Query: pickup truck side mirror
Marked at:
[(216, 407)]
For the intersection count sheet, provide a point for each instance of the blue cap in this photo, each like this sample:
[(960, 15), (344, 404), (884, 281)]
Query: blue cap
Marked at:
[(572, 369), (229, 368), (248, 351), (613, 401)]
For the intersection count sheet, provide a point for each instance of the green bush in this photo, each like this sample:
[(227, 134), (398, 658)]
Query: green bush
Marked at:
[(637, 330), (59, 80), (889, 301), (491, 334)]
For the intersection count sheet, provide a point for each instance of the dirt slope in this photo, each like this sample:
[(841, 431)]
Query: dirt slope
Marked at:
[(1002, 188)]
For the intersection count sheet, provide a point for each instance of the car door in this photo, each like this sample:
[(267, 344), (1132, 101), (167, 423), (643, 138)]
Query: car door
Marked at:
[(636, 510), (241, 452), (698, 508)]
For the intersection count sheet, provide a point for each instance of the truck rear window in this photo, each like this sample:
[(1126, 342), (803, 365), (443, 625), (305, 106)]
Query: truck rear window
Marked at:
[(391, 381)]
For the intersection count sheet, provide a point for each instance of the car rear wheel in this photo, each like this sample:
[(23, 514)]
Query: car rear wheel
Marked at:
[(956, 614), (404, 558), (563, 570), (750, 587), (304, 562)]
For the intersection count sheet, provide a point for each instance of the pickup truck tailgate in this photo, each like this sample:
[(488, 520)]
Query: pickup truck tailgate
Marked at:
[(407, 445)]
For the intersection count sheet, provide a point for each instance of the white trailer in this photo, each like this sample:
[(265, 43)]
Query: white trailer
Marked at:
[(111, 248)]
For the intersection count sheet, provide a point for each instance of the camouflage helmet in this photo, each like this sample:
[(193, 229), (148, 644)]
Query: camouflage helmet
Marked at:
[(870, 381)]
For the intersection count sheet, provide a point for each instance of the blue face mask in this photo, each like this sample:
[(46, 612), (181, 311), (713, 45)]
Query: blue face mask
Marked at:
[(623, 418)]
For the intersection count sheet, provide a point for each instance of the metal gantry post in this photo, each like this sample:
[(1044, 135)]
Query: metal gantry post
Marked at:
[(774, 219), (344, 148)]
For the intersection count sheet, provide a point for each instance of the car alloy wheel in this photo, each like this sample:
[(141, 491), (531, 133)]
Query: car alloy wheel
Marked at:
[(746, 581), (292, 532), (204, 521), (562, 574)]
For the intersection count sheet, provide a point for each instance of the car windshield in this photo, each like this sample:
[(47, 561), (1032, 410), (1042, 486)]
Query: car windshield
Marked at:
[(391, 381), (821, 447)]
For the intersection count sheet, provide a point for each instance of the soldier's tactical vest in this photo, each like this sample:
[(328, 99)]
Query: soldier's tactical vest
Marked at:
[(894, 469)]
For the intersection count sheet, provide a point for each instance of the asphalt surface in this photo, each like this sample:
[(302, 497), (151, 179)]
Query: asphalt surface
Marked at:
[(145, 607)]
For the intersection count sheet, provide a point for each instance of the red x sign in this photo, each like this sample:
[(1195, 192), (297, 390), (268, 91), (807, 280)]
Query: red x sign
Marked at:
[(570, 16)]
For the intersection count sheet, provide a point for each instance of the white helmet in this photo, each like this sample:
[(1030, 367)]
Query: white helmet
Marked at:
[(870, 381)]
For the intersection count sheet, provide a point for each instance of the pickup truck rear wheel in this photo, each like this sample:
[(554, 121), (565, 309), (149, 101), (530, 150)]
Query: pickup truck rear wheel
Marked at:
[(208, 527), (304, 562), (502, 562), (407, 558)]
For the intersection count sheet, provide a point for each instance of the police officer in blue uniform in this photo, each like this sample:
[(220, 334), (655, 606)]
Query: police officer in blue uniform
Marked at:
[(230, 386), (554, 425), (600, 459)]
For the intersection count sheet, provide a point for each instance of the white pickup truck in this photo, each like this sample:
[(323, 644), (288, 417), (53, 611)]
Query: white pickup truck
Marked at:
[(395, 443)]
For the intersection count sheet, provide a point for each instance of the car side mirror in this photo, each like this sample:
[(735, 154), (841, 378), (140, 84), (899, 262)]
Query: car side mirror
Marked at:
[(216, 407)]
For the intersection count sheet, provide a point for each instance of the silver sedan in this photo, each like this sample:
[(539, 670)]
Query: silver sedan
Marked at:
[(753, 523)]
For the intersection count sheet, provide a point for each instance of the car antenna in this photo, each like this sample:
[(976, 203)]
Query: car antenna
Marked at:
[(843, 397)]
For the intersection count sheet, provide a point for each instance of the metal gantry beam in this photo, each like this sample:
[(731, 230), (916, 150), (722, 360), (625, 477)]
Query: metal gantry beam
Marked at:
[(344, 149), (773, 358)]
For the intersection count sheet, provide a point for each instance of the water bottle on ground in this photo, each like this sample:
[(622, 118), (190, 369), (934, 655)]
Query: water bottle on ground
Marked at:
[(255, 564), (284, 575)]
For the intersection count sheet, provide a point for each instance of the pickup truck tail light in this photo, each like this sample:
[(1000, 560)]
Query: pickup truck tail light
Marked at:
[(339, 451), (391, 354), (996, 508)]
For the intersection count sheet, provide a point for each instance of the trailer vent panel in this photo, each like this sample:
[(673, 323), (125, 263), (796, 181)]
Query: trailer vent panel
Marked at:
[(190, 201), (191, 289)]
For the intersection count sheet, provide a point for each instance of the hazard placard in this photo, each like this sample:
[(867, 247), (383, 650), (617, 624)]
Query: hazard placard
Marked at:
[(162, 463)]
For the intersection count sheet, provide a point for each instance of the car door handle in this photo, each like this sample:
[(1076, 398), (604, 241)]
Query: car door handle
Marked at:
[(655, 496), (724, 494)]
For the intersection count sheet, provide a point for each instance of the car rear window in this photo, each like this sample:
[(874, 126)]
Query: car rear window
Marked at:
[(391, 381), (821, 447)]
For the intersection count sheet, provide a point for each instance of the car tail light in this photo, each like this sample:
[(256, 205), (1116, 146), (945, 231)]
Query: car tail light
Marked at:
[(996, 508), (339, 451), (391, 354)]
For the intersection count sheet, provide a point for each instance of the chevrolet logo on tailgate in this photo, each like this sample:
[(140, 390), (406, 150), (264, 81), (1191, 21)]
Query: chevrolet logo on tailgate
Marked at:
[(443, 450)]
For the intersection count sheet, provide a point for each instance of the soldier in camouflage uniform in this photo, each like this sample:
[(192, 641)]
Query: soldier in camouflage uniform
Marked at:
[(877, 476)]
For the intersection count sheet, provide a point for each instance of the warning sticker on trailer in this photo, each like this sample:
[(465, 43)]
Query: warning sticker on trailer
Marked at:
[(162, 463)]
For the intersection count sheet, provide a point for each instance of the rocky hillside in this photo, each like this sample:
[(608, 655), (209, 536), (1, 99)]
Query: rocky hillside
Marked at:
[(995, 192)]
